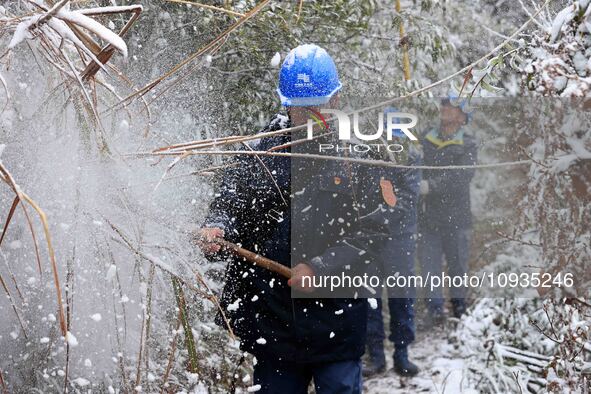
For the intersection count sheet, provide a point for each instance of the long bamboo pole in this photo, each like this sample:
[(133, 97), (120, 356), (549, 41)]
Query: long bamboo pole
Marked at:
[(255, 258), (404, 44)]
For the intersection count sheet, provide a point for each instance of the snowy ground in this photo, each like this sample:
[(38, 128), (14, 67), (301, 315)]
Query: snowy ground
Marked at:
[(441, 369)]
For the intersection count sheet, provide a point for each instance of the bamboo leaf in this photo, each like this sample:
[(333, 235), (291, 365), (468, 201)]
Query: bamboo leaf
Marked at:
[(9, 218), (189, 340)]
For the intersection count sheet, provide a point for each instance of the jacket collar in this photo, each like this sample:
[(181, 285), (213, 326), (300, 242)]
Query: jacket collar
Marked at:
[(435, 139)]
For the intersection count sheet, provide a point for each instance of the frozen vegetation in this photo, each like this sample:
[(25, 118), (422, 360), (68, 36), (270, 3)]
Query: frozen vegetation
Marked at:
[(103, 288)]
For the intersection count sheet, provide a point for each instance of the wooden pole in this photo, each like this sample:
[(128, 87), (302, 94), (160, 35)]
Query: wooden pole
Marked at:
[(405, 57), (255, 258)]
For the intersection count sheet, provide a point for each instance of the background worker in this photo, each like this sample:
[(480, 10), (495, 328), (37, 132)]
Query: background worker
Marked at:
[(445, 217), (397, 258)]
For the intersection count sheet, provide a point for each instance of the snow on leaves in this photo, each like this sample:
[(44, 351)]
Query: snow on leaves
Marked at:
[(52, 18), (558, 61)]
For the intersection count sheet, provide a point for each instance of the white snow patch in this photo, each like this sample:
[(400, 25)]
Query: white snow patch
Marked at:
[(234, 306), (275, 60), (124, 126), (71, 339), (302, 52), (92, 25), (22, 32), (96, 317), (81, 382), (562, 18), (111, 272)]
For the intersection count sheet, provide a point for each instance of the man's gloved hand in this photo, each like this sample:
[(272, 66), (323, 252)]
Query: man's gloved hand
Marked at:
[(205, 238), (424, 187), (297, 274)]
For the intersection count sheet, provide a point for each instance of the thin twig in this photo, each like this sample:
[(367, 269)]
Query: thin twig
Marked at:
[(20, 321), (300, 5), (13, 278), (207, 295), (149, 315), (510, 238), (50, 14), (6, 177), (151, 85), (138, 373), (9, 217), (269, 173), (171, 354), (4, 388), (189, 338), (535, 324), (208, 7), (380, 163), (107, 52)]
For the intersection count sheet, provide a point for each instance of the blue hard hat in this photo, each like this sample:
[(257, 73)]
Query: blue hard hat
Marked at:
[(308, 76)]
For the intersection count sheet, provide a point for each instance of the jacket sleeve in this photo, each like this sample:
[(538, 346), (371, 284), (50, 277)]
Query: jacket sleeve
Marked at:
[(233, 208), (442, 181), (363, 243), (230, 199), (406, 182)]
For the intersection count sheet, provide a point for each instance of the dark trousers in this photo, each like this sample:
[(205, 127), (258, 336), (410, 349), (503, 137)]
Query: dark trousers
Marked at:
[(340, 377), (398, 258), (454, 244)]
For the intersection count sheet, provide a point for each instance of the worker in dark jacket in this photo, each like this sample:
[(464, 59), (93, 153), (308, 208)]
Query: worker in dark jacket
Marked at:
[(296, 340), (445, 217), (397, 258)]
